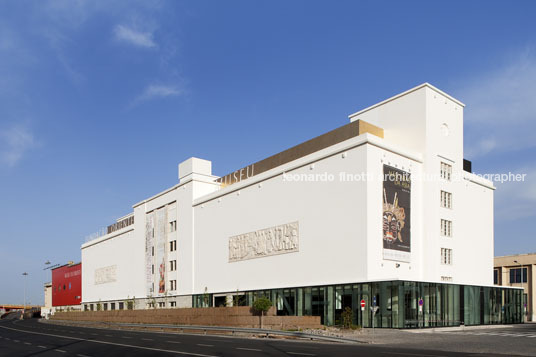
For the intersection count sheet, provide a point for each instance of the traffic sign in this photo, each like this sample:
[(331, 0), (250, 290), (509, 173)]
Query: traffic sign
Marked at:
[(363, 304), (374, 301), (421, 302)]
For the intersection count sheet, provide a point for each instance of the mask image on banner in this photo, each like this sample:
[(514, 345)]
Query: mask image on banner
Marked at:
[(396, 214)]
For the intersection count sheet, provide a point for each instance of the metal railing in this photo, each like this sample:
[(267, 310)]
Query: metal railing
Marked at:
[(101, 232)]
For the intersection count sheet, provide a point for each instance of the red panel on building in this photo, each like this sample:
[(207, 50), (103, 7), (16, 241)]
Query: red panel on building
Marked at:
[(67, 285)]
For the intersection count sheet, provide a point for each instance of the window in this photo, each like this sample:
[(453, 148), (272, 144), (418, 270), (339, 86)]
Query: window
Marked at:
[(446, 199), (516, 275), (90, 307), (446, 256), (172, 265), (173, 246), (105, 306), (112, 306), (152, 269), (152, 251), (446, 228), (446, 171), (121, 306), (173, 285), (173, 304), (173, 226), (162, 304), (496, 276)]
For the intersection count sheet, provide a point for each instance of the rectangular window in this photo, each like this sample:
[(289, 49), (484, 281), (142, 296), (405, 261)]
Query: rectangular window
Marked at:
[(173, 226), (152, 269), (516, 276), (112, 306), (121, 306), (152, 251), (446, 256), (173, 304), (105, 306), (446, 171), (496, 276), (172, 265), (162, 304), (446, 199), (173, 246), (173, 285), (446, 228)]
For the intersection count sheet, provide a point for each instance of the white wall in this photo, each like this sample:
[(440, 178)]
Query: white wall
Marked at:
[(125, 251), (332, 240), (379, 268)]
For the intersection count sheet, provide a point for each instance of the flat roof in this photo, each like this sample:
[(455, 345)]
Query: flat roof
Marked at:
[(318, 143), (426, 84)]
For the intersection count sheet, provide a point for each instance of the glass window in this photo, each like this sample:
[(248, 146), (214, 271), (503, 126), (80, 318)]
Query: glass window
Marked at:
[(516, 275), (446, 199), (446, 256), (495, 276), (446, 228), (446, 171)]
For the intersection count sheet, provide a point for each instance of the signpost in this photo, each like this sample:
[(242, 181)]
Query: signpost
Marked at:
[(421, 303), (374, 310)]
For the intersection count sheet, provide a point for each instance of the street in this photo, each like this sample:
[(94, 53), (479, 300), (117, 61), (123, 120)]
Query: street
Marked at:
[(34, 338)]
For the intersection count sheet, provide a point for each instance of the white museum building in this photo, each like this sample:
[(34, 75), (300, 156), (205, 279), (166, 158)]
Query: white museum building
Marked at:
[(383, 210)]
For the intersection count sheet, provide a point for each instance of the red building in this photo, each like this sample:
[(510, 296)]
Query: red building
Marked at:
[(67, 285)]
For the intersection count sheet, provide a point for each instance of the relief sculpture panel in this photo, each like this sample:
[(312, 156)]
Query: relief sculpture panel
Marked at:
[(264, 242)]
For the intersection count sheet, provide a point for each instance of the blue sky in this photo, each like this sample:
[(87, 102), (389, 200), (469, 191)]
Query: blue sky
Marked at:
[(99, 102)]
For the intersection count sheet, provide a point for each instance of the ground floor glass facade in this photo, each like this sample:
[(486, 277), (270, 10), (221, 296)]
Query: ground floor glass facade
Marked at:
[(397, 301)]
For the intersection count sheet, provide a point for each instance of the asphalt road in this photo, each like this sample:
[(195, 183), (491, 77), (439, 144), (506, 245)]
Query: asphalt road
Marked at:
[(33, 338)]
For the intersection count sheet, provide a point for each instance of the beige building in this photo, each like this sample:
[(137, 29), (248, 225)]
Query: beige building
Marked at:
[(518, 271), (47, 308)]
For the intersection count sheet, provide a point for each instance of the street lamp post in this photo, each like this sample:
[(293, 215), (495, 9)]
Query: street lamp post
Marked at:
[(25, 274), (523, 287)]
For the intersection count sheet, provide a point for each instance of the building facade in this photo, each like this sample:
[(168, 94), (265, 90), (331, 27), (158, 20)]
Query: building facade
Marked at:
[(66, 287), (518, 271), (380, 210)]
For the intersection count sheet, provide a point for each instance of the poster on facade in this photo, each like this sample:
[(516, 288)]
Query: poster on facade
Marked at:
[(161, 238), (149, 249), (396, 214)]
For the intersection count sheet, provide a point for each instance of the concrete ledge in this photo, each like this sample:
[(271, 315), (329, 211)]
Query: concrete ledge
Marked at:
[(241, 316)]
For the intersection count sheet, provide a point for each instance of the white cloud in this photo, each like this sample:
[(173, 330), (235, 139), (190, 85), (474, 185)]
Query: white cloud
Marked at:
[(501, 106), (136, 38), (14, 143), (154, 91)]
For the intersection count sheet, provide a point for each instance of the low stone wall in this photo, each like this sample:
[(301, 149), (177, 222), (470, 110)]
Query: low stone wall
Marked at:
[(241, 316)]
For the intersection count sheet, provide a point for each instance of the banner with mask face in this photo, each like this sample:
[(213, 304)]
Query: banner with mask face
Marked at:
[(396, 214)]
